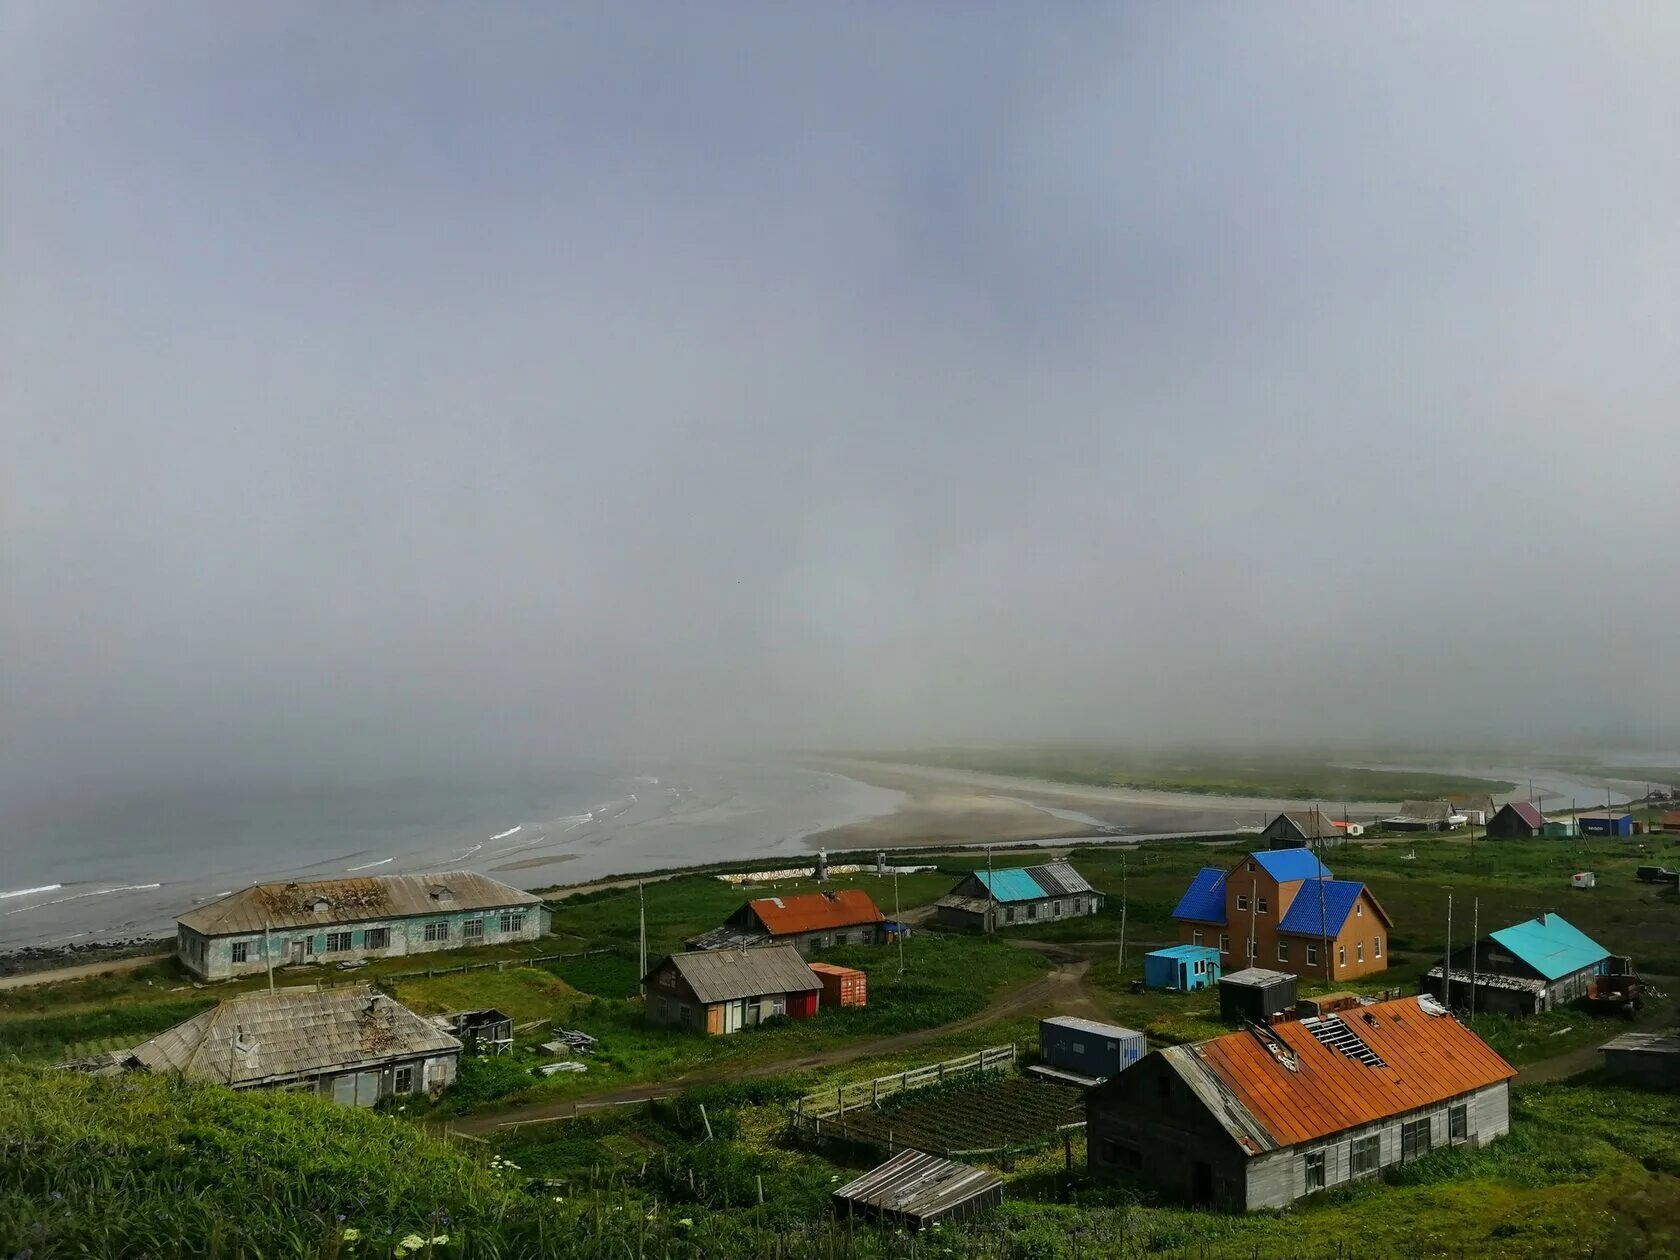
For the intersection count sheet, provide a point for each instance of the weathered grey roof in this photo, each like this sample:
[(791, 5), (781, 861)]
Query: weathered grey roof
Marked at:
[(1222, 1104), (919, 1185), (1089, 1025), (974, 905), (1058, 879), (324, 902), (292, 1032), (1644, 1043), (1256, 976), (1487, 980), (1425, 811), (722, 975), (728, 937), (1311, 824)]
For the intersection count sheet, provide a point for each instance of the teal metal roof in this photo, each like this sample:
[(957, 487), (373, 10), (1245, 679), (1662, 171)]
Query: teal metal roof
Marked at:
[(1552, 945), (1011, 885), (1185, 953)]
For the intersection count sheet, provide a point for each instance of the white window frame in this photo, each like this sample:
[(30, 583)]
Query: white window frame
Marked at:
[(340, 941), (376, 938), (1320, 1159), (472, 929), (512, 921), (1376, 942), (1341, 955), (241, 951), (1359, 951), (1224, 942), (1312, 954), (1260, 906), (1371, 1144), (1283, 951), (1242, 901), (438, 930), (1196, 935)]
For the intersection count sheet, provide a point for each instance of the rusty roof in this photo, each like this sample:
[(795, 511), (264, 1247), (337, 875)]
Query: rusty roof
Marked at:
[(1423, 1058), (325, 902), (816, 912)]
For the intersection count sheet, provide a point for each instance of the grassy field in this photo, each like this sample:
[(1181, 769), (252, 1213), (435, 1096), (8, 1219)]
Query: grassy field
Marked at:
[(1285, 776)]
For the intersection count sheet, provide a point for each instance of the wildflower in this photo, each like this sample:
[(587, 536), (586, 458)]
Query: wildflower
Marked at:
[(58, 1196), (439, 1240), (410, 1242), (687, 1222), (350, 1235)]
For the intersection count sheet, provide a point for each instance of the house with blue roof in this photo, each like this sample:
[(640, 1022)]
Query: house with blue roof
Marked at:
[(988, 900), (1537, 965), (1284, 909)]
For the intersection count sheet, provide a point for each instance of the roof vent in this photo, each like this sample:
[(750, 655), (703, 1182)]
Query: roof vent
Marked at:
[(1341, 1038), (319, 905), (440, 893)]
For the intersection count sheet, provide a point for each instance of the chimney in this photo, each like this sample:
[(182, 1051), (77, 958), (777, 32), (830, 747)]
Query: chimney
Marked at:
[(1542, 918)]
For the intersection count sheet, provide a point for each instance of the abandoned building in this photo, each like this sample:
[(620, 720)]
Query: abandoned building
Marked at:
[(346, 920), (1282, 908), (1425, 816), (1263, 1117), (1537, 965), (720, 991), (1648, 1059), (988, 900), (806, 921), (1302, 828)]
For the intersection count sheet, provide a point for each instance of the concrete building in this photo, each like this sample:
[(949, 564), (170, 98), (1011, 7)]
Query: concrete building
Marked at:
[(1016, 896), (354, 1045), (1263, 1117), (342, 920), (1537, 965), (721, 991), (806, 921), (1282, 908)]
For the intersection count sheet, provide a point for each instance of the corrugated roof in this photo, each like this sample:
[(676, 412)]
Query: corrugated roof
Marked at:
[(1059, 879), (1184, 953), (1287, 865), (1552, 945), (833, 969), (1015, 884), (1310, 824), (292, 1032), (1425, 1059), (1303, 917), (1256, 976), (1090, 1026), (1644, 1043), (815, 912), (974, 905), (1528, 811), (1204, 900), (723, 975), (919, 1185), (1425, 811), (728, 937), (324, 902)]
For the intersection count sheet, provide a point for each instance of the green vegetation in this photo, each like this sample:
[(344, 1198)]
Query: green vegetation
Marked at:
[(1291, 776), (970, 1114)]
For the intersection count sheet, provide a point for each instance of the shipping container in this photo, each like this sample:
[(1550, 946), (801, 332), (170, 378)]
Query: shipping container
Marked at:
[(1256, 995), (1088, 1049), (842, 986)]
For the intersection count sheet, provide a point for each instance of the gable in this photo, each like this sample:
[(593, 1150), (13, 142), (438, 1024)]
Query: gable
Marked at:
[(1204, 900)]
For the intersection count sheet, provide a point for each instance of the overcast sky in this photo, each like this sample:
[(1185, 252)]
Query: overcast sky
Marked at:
[(387, 385)]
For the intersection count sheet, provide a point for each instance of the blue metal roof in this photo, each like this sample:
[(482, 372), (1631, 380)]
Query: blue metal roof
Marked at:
[(1015, 884), (1285, 865), (1552, 945), (1303, 917), (1204, 900), (1184, 953)]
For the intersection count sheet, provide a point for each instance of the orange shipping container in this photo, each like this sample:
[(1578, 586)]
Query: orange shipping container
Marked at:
[(842, 986)]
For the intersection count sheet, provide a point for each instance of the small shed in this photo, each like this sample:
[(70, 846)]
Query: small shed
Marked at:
[(1255, 994), (842, 986), (1610, 824), (1183, 967), (1087, 1051), (1560, 829), (486, 1031), (1651, 1059), (916, 1190)]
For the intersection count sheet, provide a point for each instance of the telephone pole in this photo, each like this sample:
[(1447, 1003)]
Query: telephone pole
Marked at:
[(1122, 958), (641, 914), (898, 923)]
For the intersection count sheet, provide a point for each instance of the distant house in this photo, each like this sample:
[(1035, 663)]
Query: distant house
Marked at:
[(1670, 821), (1648, 1059), (1304, 828), (1537, 965), (1018, 895), (807, 921), (1263, 1117), (354, 1045), (342, 920), (1283, 908), (722, 991), (1424, 816), (1560, 829), (1516, 820), (1609, 824)]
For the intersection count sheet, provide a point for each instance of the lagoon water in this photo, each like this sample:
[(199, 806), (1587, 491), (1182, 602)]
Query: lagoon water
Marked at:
[(122, 868)]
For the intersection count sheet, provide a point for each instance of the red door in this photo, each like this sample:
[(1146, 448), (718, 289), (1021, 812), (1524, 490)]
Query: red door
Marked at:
[(802, 1005)]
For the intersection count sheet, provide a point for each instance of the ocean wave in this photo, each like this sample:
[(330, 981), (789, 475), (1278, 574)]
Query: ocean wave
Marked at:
[(510, 831), (368, 866), (97, 892), (25, 892)]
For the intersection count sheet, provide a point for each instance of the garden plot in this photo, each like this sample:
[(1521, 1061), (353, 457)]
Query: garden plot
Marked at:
[(971, 1116)]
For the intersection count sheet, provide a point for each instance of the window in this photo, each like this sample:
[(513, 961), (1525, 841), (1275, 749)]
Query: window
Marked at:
[(1196, 937), (1314, 1162), (1458, 1123), (376, 938), (1224, 942), (1359, 909), (241, 951), (1283, 951), (1242, 902), (1251, 867), (1251, 949), (437, 931), (1364, 1155), (1359, 951), (1032, 911), (1312, 955), (1120, 1155), (1341, 955), (1414, 1139), (309, 945), (1056, 909), (405, 1080), (512, 921), (1376, 946), (337, 942), (1260, 905), (472, 930)]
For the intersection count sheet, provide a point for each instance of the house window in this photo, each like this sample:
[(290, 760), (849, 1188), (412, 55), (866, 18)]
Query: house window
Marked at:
[(376, 938), (241, 951), (1364, 1155), (1341, 955), (512, 921), (1414, 1139), (1120, 1155), (1196, 936), (1224, 942), (1312, 955), (1251, 948), (1242, 902), (1314, 1162), (1251, 866), (404, 1080), (1458, 1123), (1283, 951), (1376, 946), (1359, 909), (437, 931), (1032, 911), (1359, 951), (472, 930), (309, 945), (1260, 905), (337, 942), (1058, 908)]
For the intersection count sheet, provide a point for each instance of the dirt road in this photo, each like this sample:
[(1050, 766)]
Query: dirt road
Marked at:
[(81, 971), (1060, 991)]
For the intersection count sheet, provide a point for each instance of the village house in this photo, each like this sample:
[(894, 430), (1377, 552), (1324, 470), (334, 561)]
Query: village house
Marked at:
[(1538, 965), (722, 991), (988, 900), (1424, 816), (1263, 1117), (345, 920), (354, 1045), (807, 921), (1303, 828), (1282, 908), (1516, 820)]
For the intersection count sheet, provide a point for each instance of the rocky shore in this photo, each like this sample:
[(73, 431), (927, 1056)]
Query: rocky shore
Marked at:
[(50, 958)]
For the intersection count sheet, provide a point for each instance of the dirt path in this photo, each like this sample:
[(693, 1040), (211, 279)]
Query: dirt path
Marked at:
[(1060, 991), (1657, 1014), (81, 971)]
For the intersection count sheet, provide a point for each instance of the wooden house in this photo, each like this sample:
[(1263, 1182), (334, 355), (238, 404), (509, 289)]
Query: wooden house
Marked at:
[(722, 991), (1282, 908), (1305, 828), (806, 921), (1263, 1117), (1014, 897), (1516, 820), (1424, 816), (1538, 965)]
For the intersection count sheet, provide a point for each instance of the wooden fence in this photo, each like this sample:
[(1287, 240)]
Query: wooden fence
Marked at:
[(827, 1104)]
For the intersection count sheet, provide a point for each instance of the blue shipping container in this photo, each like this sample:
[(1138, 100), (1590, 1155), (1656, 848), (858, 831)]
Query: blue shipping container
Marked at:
[(1185, 967), (1088, 1048)]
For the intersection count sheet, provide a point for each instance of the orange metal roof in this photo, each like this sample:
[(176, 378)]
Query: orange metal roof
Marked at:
[(1426, 1059), (831, 969), (816, 912)]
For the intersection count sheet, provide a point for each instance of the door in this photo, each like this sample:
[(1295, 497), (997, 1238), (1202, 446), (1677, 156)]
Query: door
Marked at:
[(297, 953), (367, 1088), (734, 1015), (1201, 1182)]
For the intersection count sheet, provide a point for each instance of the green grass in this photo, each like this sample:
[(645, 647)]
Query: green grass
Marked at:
[(1545, 1036), (55, 1038)]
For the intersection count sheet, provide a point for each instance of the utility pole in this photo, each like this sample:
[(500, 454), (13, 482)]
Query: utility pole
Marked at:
[(1446, 963), (991, 897), (641, 914), (268, 955), (1323, 918), (1253, 909), (1475, 939), (898, 923), (1122, 959)]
